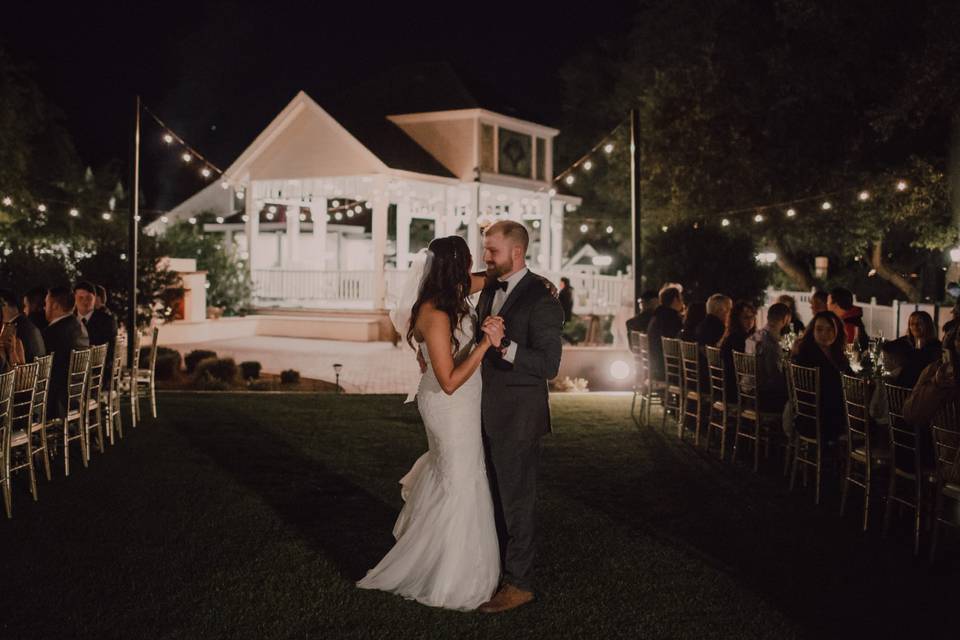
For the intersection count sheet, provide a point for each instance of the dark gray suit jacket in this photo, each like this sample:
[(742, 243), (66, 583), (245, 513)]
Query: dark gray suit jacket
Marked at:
[(515, 402), (31, 338), (60, 339)]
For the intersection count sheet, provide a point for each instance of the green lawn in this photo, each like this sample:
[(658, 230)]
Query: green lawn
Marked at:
[(250, 516)]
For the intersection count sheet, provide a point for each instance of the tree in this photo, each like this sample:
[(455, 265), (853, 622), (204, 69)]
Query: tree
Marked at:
[(745, 103)]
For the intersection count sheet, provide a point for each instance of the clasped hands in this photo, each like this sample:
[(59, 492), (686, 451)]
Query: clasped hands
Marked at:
[(494, 329)]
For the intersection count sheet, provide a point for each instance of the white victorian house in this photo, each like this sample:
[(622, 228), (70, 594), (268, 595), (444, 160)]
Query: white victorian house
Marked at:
[(328, 204)]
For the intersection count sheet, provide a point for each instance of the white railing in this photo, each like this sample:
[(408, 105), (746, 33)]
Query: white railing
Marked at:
[(879, 319), (593, 294)]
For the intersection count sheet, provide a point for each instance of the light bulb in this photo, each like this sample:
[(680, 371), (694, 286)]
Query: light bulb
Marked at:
[(863, 196), (245, 218), (42, 208), (224, 185), (205, 172), (164, 219), (358, 209), (791, 213), (609, 229), (269, 216), (664, 228), (536, 224), (588, 165), (272, 209), (583, 228), (725, 223), (106, 215), (758, 218), (335, 203), (74, 213), (219, 219), (192, 220), (7, 201), (168, 138), (338, 215), (569, 179), (826, 206), (608, 148), (303, 217), (901, 185), (240, 195), (350, 213), (186, 157)]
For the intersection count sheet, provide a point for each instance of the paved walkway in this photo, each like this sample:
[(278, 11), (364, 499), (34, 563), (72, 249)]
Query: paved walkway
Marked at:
[(368, 367)]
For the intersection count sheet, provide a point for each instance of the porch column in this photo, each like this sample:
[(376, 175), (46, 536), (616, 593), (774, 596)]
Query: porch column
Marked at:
[(403, 233), (546, 233), (379, 231), (474, 239), (318, 213), (293, 233), (252, 225), (556, 230)]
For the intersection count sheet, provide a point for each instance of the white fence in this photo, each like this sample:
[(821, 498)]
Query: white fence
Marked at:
[(593, 294), (880, 320)]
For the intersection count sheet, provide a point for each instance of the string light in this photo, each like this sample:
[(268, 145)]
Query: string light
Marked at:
[(358, 209), (74, 213), (168, 138), (303, 217), (901, 185), (826, 206), (583, 228), (7, 201), (106, 215), (224, 185), (758, 218), (164, 219), (240, 195), (335, 203), (608, 148), (272, 209), (338, 216), (588, 165), (863, 196), (205, 172), (42, 208), (186, 157), (791, 212), (609, 229), (219, 219), (536, 224), (570, 180), (192, 220), (725, 222), (245, 218)]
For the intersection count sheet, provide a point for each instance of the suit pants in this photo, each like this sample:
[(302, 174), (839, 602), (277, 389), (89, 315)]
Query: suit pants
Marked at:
[(512, 472)]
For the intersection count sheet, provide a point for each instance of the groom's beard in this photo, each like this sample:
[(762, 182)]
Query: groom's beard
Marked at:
[(495, 270)]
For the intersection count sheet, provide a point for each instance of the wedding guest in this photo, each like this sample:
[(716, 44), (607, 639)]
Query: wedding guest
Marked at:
[(63, 334), (666, 323), (772, 381), (938, 384), (953, 323), (896, 355), (840, 302), (796, 324), (566, 299), (710, 331), (649, 301), (822, 347), (34, 305), (818, 301), (925, 347), (100, 325), (27, 332), (695, 314), (11, 349), (741, 325)]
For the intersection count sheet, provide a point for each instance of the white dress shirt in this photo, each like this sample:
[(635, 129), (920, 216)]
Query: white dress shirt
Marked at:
[(499, 298)]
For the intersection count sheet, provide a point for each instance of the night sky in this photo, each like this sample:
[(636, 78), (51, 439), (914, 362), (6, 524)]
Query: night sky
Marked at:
[(218, 72)]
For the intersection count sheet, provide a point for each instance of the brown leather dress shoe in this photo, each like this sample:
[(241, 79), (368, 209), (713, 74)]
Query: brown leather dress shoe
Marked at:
[(508, 597)]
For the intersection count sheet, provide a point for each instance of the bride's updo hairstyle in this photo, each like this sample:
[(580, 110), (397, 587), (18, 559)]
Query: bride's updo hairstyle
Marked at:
[(446, 284)]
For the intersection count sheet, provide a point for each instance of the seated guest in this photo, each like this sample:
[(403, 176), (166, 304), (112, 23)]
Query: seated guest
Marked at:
[(772, 380), (818, 301), (938, 384), (710, 332), (822, 348), (896, 356), (27, 332), (102, 299), (666, 323), (649, 301), (840, 302), (922, 340), (100, 325), (796, 324), (741, 325), (34, 306), (11, 349), (952, 324), (694, 315), (63, 334)]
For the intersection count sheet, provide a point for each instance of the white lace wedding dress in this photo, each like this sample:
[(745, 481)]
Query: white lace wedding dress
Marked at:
[(446, 554)]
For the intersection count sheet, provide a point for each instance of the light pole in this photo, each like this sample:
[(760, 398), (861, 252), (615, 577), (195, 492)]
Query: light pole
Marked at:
[(132, 242), (336, 371)]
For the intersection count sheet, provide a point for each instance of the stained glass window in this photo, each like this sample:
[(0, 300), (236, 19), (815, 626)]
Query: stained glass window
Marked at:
[(515, 157)]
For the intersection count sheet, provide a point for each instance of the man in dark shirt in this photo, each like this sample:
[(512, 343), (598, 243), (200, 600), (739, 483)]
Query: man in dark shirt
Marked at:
[(63, 334), (100, 324), (649, 301), (34, 306), (666, 323), (27, 332), (710, 331)]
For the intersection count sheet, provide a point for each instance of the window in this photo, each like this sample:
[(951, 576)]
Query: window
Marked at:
[(541, 159), (514, 154), (486, 148)]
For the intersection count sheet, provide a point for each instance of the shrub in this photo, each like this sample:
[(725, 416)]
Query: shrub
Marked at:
[(168, 364), (194, 357), (222, 369), (250, 370), (290, 376), (206, 383), (161, 353), (260, 385)]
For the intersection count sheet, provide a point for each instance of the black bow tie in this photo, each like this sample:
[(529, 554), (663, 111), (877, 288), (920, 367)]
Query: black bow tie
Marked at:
[(499, 285)]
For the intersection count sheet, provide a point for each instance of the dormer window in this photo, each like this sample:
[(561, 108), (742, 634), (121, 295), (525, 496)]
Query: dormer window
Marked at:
[(514, 153)]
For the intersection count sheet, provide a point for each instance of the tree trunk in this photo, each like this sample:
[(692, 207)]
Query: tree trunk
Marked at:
[(794, 270), (891, 276)]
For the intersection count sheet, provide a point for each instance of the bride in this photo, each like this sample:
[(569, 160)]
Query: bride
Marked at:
[(446, 552)]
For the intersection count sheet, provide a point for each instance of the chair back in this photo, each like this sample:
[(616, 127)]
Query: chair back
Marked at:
[(641, 343), (745, 366), (806, 400), (44, 367), (672, 362), (903, 437), (152, 360), (77, 376), (6, 404), (690, 358), (718, 389), (856, 403), (116, 367), (633, 337), (137, 346), (945, 427), (98, 359), (22, 402)]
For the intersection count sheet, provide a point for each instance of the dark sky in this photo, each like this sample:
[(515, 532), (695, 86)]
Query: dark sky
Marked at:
[(217, 72)]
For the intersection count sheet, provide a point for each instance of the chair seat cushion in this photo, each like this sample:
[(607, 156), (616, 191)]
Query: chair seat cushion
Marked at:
[(18, 438)]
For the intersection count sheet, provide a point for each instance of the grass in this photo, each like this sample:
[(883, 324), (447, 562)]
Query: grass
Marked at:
[(248, 516)]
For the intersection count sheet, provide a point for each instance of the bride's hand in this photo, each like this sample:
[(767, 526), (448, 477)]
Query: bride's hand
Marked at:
[(494, 330)]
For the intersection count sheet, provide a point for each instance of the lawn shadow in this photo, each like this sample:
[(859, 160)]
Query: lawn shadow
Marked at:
[(814, 566), (349, 525)]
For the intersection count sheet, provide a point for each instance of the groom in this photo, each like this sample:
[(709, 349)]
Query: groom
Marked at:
[(515, 405)]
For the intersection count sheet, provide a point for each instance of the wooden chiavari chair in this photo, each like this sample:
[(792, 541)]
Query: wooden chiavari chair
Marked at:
[(93, 420), (748, 408), (673, 382), (21, 423), (946, 445), (39, 416), (693, 395), (6, 404), (721, 411), (861, 451), (75, 416), (146, 377), (652, 390), (128, 385), (905, 464), (113, 414), (808, 449)]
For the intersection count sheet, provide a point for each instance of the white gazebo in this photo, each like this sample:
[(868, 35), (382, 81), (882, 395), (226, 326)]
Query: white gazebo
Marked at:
[(326, 212)]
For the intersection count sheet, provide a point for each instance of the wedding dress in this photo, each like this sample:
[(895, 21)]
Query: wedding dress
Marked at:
[(446, 552)]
